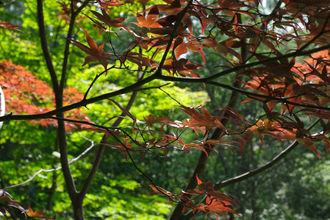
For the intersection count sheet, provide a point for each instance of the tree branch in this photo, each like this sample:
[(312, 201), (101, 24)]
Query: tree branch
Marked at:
[(317, 36), (100, 151), (265, 61), (169, 44), (67, 43), (52, 170), (59, 104), (64, 159), (44, 46), (248, 65), (81, 103), (254, 172), (166, 78), (262, 168)]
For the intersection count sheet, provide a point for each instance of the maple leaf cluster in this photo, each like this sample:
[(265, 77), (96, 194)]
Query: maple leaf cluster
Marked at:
[(26, 94), (299, 89), (162, 32), (162, 27), (168, 28), (215, 201)]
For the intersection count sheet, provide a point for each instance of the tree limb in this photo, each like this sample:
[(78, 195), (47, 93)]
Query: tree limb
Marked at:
[(67, 43), (166, 78), (176, 25), (254, 172), (44, 46), (59, 104), (100, 151), (52, 170)]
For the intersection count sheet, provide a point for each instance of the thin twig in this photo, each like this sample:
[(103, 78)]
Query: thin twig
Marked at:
[(43, 39), (7, 3), (138, 169), (55, 169), (94, 80), (67, 43), (176, 25), (317, 36)]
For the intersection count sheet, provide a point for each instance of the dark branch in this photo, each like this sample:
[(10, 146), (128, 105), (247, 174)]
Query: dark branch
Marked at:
[(151, 78), (254, 172), (67, 43), (317, 36), (100, 150), (240, 67), (176, 25), (81, 103), (44, 46), (59, 104)]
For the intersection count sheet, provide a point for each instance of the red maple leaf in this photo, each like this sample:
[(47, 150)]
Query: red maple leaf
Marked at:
[(95, 52)]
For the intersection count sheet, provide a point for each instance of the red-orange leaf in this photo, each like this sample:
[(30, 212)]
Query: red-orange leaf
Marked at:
[(196, 146), (121, 148), (95, 52), (150, 20), (158, 190), (38, 214), (308, 143), (214, 205), (104, 17), (8, 25), (203, 122)]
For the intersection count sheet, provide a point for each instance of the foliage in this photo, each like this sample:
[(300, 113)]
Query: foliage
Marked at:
[(26, 94), (126, 106)]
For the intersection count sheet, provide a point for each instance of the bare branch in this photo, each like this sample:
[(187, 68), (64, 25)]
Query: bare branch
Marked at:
[(81, 103), (254, 172), (55, 169), (67, 43), (44, 46), (94, 80), (7, 3), (59, 104), (100, 151), (264, 167)]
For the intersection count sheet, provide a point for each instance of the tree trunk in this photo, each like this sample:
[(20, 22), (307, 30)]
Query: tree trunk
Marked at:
[(78, 211)]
